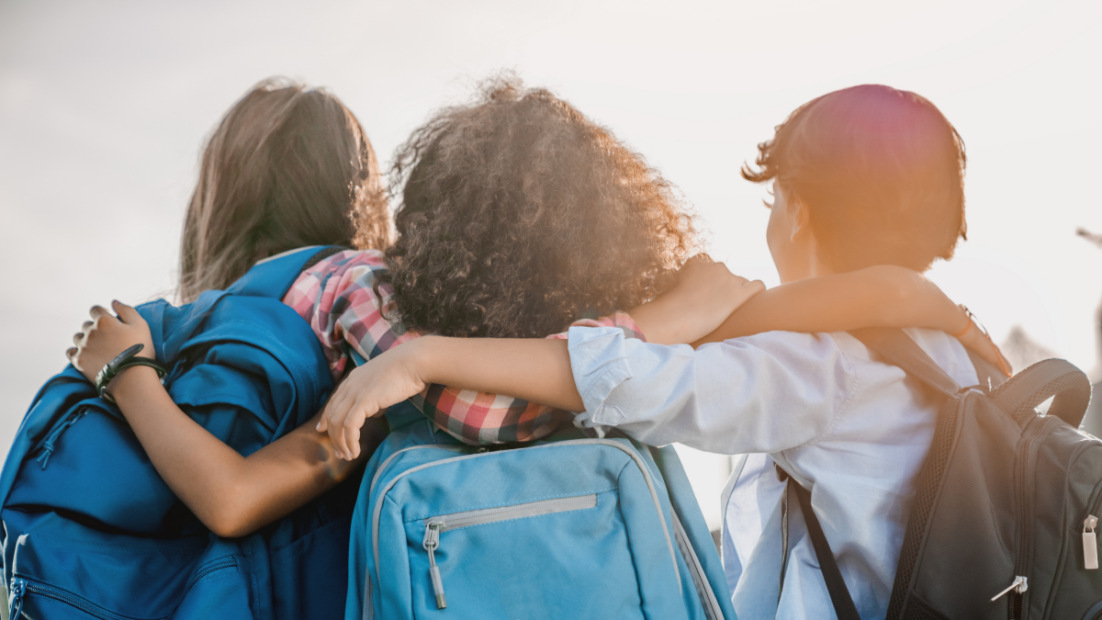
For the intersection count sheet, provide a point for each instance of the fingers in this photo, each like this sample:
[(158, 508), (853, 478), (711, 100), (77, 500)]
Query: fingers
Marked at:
[(332, 419), (342, 419), (352, 436), (127, 314), (348, 428), (101, 318), (332, 408)]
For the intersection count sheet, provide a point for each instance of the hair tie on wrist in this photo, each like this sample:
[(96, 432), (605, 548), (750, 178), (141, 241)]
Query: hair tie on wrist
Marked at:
[(1003, 366), (124, 360), (961, 333)]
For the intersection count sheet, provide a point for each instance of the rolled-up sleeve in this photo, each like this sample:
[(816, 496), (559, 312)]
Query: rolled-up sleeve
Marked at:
[(764, 393)]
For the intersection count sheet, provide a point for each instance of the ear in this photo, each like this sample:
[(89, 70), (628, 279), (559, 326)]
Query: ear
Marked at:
[(799, 217)]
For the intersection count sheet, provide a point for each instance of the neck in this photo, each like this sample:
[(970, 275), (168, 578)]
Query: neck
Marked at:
[(812, 267)]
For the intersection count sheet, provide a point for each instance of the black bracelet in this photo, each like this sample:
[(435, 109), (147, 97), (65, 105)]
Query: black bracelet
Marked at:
[(125, 360)]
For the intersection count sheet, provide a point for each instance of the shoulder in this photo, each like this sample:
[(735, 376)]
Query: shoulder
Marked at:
[(797, 348), (351, 273), (948, 353), (806, 381), (819, 362), (341, 262)]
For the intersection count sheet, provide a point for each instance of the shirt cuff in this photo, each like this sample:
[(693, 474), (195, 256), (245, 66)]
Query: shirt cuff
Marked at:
[(599, 365)]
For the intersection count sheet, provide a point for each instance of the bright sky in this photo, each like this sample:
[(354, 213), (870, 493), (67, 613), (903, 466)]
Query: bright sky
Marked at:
[(104, 107)]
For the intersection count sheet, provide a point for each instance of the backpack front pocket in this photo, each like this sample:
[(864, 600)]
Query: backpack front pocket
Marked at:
[(43, 600), (63, 569), (512, 561), (436, 526), (570, 529)]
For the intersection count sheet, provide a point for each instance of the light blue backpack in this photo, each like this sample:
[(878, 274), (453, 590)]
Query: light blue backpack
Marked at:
[(573, 527)]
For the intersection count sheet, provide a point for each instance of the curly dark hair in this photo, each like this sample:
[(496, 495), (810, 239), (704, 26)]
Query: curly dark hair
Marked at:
[(519, 215)]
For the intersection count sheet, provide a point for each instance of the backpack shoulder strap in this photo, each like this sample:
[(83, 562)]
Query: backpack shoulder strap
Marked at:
[(273, 277), (840, 597), (1044, 380), (990, 377), (898, 348)]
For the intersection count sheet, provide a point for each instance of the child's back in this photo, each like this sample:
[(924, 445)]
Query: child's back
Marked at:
[(849, 427), (864, 176)]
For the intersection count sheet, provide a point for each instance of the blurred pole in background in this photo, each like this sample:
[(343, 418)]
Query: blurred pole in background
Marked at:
[(1092, 423)]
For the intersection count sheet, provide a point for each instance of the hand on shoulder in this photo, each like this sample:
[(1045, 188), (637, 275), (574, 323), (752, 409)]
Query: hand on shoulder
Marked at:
[(706, 293)]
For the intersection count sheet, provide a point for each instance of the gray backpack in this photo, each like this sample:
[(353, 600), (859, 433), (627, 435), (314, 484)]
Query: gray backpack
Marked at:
[(1007, 503)]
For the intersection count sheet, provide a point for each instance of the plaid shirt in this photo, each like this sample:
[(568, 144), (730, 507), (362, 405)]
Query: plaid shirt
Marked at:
[(336, 297)]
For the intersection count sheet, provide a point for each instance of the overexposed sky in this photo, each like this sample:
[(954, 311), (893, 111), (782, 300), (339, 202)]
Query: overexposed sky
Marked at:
[(104, 107)]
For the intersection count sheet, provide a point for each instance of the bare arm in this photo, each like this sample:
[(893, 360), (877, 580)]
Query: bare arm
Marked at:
[(231, 494), (703, 296), (880, 296), (540, 371), (533, 370)]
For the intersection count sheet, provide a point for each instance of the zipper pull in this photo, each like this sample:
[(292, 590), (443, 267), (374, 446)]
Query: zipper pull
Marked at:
[(431, 543), (1090, 543), (44, 456), (49, 446), (15, 598), (1020, 585)]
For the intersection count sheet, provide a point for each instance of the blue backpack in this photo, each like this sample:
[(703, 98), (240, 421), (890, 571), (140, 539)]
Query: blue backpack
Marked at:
[(92, 531), (573, 527)]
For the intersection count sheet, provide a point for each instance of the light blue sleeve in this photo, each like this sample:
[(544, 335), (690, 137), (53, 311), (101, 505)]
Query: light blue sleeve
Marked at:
[(764, 393)]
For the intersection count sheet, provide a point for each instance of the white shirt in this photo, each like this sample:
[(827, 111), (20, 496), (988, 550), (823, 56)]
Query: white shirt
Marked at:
[(852, 429)]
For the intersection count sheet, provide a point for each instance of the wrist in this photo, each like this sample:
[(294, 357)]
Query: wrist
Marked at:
[(124, 360), (420, 357), (132, 379), (656, 321), (961, 322)]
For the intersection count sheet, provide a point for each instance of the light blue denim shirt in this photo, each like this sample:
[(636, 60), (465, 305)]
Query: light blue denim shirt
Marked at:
[(850, 428)]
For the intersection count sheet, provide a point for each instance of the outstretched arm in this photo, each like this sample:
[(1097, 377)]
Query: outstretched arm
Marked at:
[(231, 494), (880, 296), (540, 371), (703, 295)]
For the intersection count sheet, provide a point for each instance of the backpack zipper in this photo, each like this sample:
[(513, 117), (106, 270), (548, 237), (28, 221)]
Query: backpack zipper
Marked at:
[(1090, 543), (15, 599), (377, 512), (431, 542), (49, 445), (435, 526), (1090, 532), (708, 601), (21, 587), (1018, 588)]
